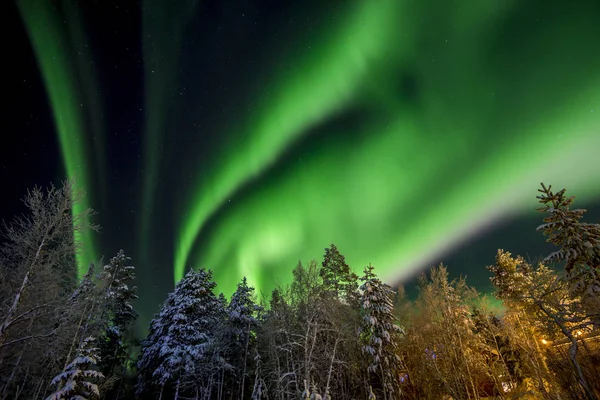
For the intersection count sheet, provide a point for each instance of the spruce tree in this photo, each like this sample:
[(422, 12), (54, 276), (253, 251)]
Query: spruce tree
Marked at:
[(579, 248), (578, 242), (378, 331), (338, 279), (118, 312), (78, 380), (240, 330), (178, 350)]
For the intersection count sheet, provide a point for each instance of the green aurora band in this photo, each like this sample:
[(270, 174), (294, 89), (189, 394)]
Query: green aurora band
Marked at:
[(494, 113), (163, 26), (54, 56), (460, 109), (333, 68)]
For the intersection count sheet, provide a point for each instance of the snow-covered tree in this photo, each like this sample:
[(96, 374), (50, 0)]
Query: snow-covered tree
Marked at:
[(120, 293), (378, 331), (259, 391), (38, 274), (240, 331), (86, 287), (179, 348), (440, 350), (117, 315), (541, 292), (579, 241), (79, 378), (579, 247)]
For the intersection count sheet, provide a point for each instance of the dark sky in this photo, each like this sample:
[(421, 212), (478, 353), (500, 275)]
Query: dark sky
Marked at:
[(245, 135)]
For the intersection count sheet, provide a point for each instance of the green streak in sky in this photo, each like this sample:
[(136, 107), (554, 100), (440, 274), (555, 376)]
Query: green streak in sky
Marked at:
[(163, 26), (91, 94), (323, 78), (54, 59), (501, 104), (408, 215)]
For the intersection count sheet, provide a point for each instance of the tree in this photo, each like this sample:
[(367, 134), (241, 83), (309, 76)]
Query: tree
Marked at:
[(178, 350), (338, 279), (378, 332), (41, 246), (38, 277), (78, 379), (579, 242), (240, 331), (542, 293), (579, 247), (118, 313), (440, 349)]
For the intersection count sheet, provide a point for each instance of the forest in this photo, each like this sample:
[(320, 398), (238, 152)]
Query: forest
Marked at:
[(330, 334)]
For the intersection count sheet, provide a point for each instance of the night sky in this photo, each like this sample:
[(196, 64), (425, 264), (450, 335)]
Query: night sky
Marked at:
[(243, 136)]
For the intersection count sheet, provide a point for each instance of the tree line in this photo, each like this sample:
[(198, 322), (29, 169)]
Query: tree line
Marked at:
[(330, 334)]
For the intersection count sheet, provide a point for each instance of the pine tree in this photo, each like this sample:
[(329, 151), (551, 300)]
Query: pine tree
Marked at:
[(118, 276), (579, 242), (118, 312), (338, 279), (78, 379), (178, 350), (579, 247), (379, 330), (259, 390), (240, 330), (86, 287)]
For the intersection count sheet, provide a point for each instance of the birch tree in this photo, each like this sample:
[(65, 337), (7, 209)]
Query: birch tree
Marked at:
[(39, 274)]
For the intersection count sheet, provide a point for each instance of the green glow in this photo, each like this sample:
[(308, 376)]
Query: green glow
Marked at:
[(91, 94), (492, 116), (52, 52), (322, 79), (163, 25)]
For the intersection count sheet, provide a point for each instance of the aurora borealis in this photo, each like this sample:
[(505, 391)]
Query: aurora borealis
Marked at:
[(246, 136)]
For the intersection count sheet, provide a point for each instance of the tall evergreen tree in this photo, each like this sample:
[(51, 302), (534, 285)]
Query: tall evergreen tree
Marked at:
[(79, 379), (579, 247), (338, 279), (118, 312), (178, 350), (578, 242), (240, 332), (378, 332)]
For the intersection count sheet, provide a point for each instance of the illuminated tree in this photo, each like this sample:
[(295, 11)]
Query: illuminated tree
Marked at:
[(579, 247), (579, 241), (378, 332), (545, 295), (440, 349)]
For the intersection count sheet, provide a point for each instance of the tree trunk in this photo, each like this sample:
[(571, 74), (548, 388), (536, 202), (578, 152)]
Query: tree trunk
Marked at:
[(582, 381), (12, 375), (177, 391), (9, 319)]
